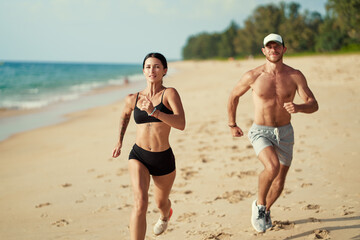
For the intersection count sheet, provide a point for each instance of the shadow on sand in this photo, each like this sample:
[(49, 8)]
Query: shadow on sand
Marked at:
[(330, 229)]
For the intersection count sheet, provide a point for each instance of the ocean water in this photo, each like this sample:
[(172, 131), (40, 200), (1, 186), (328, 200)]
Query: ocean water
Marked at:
[(32, 85), (56, 89)]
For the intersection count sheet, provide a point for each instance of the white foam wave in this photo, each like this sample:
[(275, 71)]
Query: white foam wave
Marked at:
[(116, 81), (38, 103), (85, 87), (24, 104), (33, 90)]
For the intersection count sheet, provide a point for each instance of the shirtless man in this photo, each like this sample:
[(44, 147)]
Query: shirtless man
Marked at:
[(273, 86)]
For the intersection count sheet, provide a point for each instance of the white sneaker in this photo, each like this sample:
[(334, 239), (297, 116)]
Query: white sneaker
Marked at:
[(268, 222), (258, 217), (161, 225)]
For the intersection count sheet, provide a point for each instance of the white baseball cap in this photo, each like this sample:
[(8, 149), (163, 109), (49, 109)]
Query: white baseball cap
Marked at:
[(272, 37)]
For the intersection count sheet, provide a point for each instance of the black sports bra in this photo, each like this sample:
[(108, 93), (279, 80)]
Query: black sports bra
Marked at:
[(142, 116)]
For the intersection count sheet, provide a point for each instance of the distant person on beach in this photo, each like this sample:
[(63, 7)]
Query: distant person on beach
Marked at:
[(273, 87), (156, 110)]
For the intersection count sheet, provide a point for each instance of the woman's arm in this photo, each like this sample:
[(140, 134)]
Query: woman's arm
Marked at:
[(124, 121), (176, 120)]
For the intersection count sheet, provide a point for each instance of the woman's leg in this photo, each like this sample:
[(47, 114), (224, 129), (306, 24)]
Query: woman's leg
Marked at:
[(162, 189), (140, 181)]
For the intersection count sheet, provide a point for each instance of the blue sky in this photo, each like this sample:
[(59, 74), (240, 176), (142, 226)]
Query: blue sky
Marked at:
[(118, 31)]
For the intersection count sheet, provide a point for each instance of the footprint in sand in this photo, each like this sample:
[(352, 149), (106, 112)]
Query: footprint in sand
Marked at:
[(125, 206), (103, 208), (287, 191), (219, 236), (100, 176), (235, 147), (205, 159), (314, 219), (42, 205), (187, 173), (242, 174), (321, 234), (186, 217), (65, 185), (312, 207), (306, 185), (286, 208), (347, 210), (121, 171), (207, 148), (240, 159), (282, 225), (61, 223), (235, 196)]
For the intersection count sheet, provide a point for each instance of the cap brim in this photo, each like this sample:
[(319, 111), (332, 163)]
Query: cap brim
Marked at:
[(280, 43)]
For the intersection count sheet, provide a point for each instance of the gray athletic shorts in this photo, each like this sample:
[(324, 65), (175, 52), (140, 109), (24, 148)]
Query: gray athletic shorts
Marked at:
[(281, 138)]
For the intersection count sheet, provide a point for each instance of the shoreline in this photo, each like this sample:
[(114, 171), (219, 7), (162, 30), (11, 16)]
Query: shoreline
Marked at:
[(60, 181), (10, 112), (14, 122)]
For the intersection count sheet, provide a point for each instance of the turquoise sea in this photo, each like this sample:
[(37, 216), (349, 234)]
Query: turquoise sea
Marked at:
[(31, 85), (53, 90)]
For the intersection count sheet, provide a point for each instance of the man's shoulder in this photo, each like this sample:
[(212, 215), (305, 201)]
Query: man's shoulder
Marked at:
[(294, 74), (255, 72), (291, 70)]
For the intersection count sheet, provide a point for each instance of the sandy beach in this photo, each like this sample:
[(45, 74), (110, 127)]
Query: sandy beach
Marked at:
[(60, 182)]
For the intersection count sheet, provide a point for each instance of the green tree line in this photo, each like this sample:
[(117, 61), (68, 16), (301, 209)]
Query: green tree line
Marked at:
[(339, 29)]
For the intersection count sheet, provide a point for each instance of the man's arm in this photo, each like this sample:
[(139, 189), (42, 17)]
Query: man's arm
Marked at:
[(240, 89), (310, 104)]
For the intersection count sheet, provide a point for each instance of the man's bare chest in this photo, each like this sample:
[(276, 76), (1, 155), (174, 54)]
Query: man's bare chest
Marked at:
[(274, 87)]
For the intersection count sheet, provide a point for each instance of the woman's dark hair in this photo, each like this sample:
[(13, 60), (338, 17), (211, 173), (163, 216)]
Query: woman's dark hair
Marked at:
[(158, 56)]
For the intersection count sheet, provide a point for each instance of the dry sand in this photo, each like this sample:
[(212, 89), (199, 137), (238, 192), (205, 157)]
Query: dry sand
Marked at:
[(59, 182)]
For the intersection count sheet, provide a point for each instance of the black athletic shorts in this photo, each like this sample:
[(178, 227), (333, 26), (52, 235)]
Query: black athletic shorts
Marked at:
[(158, 163)]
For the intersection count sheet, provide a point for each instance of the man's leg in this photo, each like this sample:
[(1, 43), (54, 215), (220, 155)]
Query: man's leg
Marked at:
[(271, 164), (276, 187)]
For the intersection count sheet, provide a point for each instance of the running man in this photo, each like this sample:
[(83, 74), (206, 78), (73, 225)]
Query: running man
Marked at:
[(273, 86)]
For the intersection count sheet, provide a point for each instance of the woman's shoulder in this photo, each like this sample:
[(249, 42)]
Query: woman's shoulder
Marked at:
[(130, 99), (171, 94), (171, 91)]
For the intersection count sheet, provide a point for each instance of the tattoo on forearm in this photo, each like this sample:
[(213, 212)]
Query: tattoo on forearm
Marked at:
[(123, 125)]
